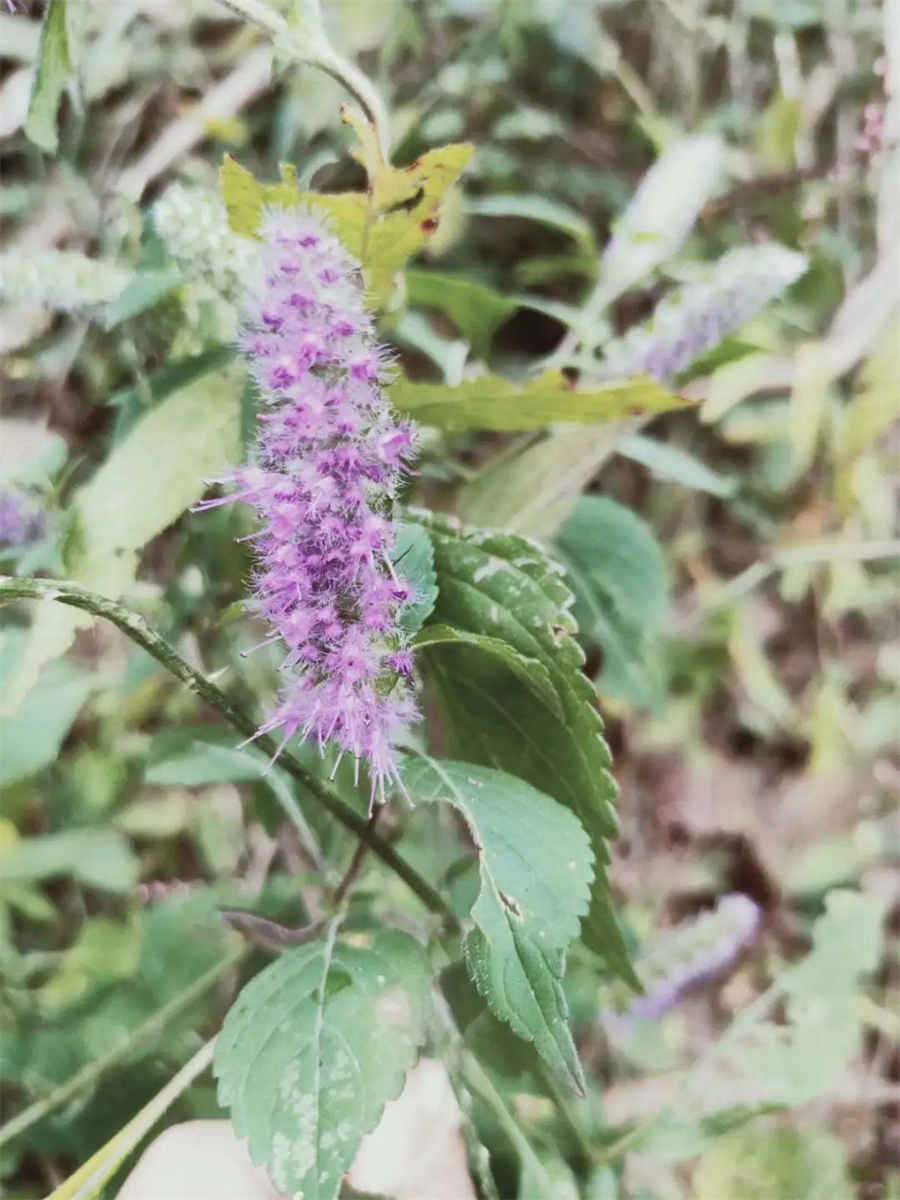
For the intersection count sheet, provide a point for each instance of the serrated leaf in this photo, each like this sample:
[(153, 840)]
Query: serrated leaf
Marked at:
[(314, 1047), (535, 864), (383, 227), (54, 64), (504, 586), (529, 671), (476, 309), (413, 558), (618, 575), (492, 402)]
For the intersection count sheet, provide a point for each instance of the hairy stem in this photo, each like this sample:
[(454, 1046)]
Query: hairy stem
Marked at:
[(135, 627)]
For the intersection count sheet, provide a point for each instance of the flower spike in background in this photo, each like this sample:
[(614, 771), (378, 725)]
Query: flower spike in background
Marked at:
[(330, 458)]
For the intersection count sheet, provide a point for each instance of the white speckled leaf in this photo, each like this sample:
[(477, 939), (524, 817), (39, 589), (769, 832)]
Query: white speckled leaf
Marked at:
[(536, 868), (314, 1047), (506, 588)]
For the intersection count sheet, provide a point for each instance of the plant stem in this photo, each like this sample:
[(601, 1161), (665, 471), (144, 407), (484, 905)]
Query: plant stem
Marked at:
[(270, 935), (586, 1152), (308, 43), (93, 1070), (88, 1180), (478, 1079), (809, 555), (355, 866), (135, 627)]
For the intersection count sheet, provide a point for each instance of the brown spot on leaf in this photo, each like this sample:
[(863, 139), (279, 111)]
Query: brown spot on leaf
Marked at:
[(429, 225)]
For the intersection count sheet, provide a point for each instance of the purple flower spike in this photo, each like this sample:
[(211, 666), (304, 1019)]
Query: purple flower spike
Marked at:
[(329, 460)]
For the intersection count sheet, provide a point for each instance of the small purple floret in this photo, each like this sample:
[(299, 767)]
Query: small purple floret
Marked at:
[(20, 521), (330, 457)]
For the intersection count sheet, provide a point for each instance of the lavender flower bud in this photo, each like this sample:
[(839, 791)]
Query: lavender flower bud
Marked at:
[(684, 957), (329, 460), (20, 521), (696, 317)]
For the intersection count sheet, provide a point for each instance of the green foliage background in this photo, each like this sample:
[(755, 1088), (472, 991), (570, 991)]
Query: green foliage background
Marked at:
[(711, 563)]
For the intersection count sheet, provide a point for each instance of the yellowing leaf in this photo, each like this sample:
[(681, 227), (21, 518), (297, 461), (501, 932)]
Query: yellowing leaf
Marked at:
[(245, 197), (492, 402), (384, 227)]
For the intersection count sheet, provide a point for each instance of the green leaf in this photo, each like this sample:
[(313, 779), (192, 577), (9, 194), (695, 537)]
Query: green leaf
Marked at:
[(535, 208), (768, 1162), (153, 475), (32, 738), (88, 1181), (145, 289), (535, 863), (535, 490), (54, 65), (98, 858), (476, 309), (730, 349), (132, 401), (492, 402), (759, 1061), (530, 671), (413, 559), (104, 952), (383, 227), (673, 463), (449, 355), (314, 1047), (157, 471), (618, 575), (505, 587), (200, 763)]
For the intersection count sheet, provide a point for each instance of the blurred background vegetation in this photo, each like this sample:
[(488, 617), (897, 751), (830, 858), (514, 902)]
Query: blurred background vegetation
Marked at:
[(735, 561)]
